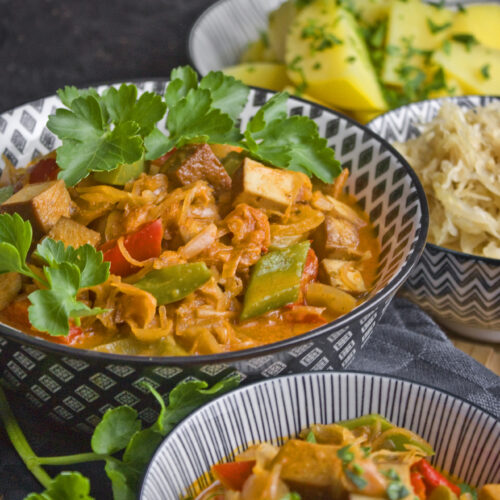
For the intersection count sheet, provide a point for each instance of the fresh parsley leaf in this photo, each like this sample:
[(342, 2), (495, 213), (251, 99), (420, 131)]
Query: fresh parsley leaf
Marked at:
[(467, 39), (99, 133), (311, 438), (5, 193), (66, 485), (465, 488), (186, 397), (115, 430), (122, 105), (228, 94), (70, 93), (182, 80), (437, 28), (485, 71), (90, 262)]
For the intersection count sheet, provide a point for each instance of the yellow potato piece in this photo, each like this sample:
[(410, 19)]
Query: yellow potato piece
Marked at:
[(363, 116), (468, 65), (409, 27), (482, 21), (279, 23), (294, 91), (258, 51), (325, 49), (371, 11), (261, 74)]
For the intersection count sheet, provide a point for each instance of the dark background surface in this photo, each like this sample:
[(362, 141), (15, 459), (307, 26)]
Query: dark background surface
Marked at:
[(44, 45)]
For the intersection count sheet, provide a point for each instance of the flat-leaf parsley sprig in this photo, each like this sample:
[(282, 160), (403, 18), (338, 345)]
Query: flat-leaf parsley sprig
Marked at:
[(102, 132), (65, 271), (118, 440)]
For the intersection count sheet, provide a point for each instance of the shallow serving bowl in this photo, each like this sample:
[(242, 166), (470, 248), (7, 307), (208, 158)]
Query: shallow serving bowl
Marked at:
[(462, 291), (464, 437), (77, 386)]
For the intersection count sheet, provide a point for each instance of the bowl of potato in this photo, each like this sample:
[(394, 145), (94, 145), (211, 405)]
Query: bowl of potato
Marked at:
[(362, 58)]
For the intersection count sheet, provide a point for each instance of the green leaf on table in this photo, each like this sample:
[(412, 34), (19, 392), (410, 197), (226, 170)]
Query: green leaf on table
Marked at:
[(65, 486), (187, 397), (141, 447), (115, 430), (121, 476)]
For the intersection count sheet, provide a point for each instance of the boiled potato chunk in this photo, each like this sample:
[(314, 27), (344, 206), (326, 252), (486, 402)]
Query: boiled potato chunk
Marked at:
[(482, 21), (409, 32), (258, 51), (295, 92), (279, 23), (267, 75), (476, 68), (372, 11), (325, 49)]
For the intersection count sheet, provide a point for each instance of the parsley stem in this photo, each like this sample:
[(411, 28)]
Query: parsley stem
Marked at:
[(72, 459), (20, 443)]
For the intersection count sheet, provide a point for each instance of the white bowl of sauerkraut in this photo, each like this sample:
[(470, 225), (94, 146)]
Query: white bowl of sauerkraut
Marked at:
[(453, 144)]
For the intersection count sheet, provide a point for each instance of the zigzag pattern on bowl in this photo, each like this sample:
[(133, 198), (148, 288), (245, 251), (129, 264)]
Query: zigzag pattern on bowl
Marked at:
[(76, 387), (466, 439), (463, 289)]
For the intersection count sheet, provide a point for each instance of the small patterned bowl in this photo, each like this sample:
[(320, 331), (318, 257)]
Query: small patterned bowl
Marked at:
[(77, 386), (465, 438), (462, 291)]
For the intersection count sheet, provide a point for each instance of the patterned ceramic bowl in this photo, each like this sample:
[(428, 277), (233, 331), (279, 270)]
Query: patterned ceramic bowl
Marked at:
[(465, 438), (461, 291), (77, 386)]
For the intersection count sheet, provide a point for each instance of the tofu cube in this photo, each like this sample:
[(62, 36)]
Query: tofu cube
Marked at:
[(311, 469), (343, 274), (42, 203), (196, 162), (73, 233), (336, 238), (10, 286), (272, 188)]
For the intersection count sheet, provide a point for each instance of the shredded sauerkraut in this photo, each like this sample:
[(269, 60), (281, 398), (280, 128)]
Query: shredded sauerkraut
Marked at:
[(457, 158)]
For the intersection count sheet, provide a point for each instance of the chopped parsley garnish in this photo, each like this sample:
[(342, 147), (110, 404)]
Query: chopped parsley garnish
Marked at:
[(295, 66), (317, 65), (391, 474), (320, 38), (311, 438), (291, 496), (357, 480), (397, 490), (351, 59), (366, 451), (264, 38), (437, 28), (345, 454), (5, 193), (467, 39), (447, 47), (485, 71)]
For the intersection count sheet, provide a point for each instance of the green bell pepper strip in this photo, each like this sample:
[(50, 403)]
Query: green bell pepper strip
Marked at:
[(397, 438), (275, 280), (367, 421), (173, 283)]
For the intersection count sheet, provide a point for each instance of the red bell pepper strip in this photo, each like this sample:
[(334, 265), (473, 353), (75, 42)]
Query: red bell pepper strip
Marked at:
[(432, 478), (45, 170), (418, 485), (233, 475), (141, 245)]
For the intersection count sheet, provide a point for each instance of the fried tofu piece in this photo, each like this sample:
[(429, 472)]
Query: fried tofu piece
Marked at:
[(313, 470), (272, 188), (42, 203), (489, 492), (342, 274), (73, 233), (10, 286), (196, 162), (336, 238)]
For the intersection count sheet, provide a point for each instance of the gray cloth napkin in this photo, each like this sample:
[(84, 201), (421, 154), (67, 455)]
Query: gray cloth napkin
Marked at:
[(407, 343)]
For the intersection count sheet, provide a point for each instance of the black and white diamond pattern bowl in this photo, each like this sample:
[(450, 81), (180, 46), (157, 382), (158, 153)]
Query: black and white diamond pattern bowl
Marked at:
[(461, 291), (466, 439), (77, 386)]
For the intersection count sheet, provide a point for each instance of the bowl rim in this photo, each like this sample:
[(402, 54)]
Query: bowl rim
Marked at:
[(385, 293), (418, 104), (252, 387)]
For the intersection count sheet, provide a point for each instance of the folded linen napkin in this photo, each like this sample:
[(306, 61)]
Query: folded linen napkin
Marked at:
[(407, 343)]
